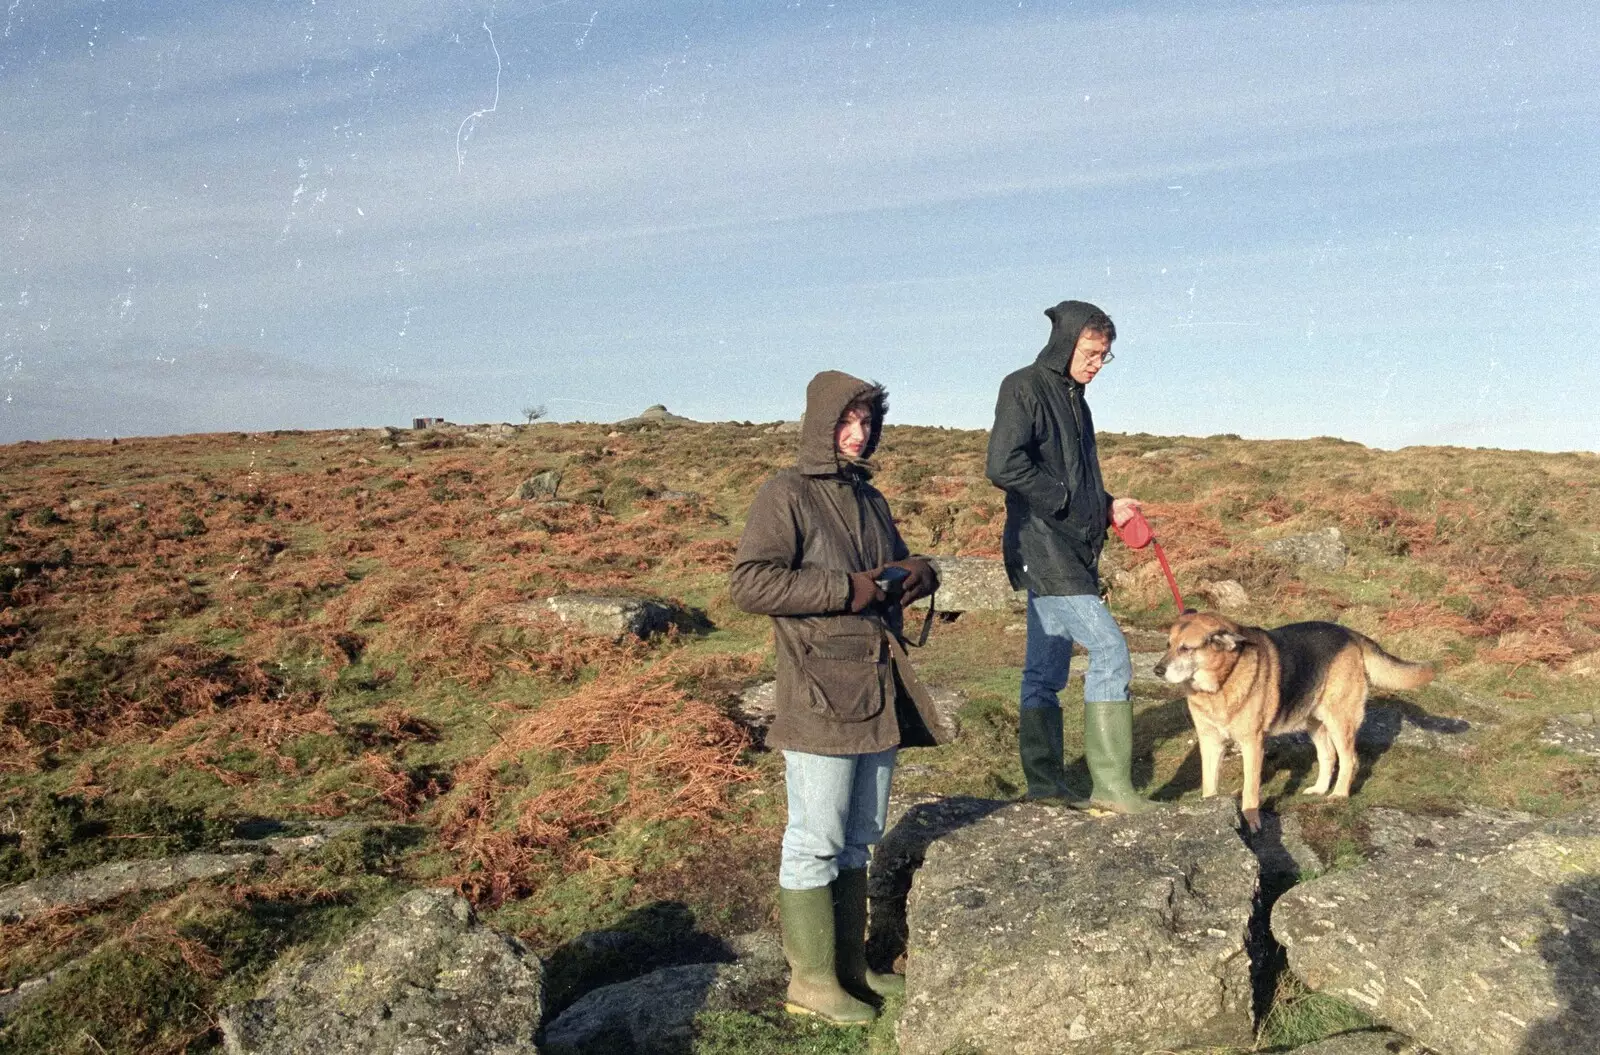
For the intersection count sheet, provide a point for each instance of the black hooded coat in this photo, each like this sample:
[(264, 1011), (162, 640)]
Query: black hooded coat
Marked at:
[(1042, 453), (845, 686)]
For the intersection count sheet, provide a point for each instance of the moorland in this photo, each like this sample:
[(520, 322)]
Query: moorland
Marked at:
[(200, 634)]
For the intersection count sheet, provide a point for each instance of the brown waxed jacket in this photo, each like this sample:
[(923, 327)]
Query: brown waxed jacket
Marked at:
[(845, 686)]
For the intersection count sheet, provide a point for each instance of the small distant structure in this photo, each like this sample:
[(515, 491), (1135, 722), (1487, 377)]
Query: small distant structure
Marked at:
[(426, 423)]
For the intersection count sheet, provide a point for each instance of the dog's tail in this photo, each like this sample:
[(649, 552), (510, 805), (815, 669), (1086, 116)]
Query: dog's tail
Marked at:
[(1390, 672)]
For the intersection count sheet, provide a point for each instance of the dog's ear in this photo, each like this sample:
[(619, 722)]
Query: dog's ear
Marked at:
[(1225, 640)]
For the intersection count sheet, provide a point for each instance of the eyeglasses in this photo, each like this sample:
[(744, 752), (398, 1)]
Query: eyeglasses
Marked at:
[(1099, 357)]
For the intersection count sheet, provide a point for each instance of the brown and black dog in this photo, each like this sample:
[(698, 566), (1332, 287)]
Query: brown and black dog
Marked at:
[(1246, 683)]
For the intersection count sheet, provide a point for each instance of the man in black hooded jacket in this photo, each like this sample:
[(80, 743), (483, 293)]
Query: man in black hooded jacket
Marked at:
[(1042, 453)]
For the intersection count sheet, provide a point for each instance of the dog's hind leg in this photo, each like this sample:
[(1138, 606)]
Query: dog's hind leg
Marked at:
[(1343, 734), (1325, 758)]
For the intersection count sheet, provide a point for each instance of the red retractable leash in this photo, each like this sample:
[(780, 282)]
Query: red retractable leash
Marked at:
[(1135, 533)]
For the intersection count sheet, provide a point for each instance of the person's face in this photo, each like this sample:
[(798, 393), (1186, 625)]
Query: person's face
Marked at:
[(1088, 356), (855, 428)]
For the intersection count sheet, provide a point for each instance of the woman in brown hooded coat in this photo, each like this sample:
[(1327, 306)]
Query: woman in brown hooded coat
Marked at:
[(817, 543)]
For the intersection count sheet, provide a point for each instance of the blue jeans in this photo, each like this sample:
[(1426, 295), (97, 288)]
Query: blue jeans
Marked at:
[(838, 805), (1054, 623)]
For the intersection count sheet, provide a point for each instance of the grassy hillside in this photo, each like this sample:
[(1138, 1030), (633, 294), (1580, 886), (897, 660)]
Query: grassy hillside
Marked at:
[(203, 633)]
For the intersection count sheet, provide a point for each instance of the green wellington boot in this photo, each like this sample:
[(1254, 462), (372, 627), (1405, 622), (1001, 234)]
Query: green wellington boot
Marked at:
[(1039, 743), (808, 944), (1108, 748), (850, 940)]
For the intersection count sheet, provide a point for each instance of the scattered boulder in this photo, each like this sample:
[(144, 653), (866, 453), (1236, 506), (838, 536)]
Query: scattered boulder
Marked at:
[(974, 584), (1323, 549), (422, 977), (612, 616), (1485, 946), (678, 496), (113, 879), (1039, 930), (1578, 732), (1163, 454), (655, 1012), (782, 428), (541, 485), (1225, 594)]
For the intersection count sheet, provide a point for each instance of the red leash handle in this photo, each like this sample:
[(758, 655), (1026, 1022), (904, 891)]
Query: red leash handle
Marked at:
[(1135, 533)]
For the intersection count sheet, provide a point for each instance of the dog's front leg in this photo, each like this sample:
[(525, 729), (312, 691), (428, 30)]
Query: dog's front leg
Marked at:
[(1252, 748), (1211, 743)]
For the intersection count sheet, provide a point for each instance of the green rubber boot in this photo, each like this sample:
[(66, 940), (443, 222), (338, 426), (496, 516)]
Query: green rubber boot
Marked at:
[(808, 944), (850, 940), (1108, 748), (1039, 743)]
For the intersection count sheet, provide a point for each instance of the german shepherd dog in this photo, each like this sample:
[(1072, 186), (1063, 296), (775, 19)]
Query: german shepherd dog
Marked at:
[(1246, 683)]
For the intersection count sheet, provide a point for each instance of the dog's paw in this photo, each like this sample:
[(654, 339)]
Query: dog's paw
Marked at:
[(1253, 819), (1314, 791)]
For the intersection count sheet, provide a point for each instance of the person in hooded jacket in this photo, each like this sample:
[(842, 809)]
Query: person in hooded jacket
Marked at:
[(818, 540), (1042, 453)]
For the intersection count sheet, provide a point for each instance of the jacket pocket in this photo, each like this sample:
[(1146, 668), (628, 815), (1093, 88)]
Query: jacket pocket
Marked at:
[(844, 676)]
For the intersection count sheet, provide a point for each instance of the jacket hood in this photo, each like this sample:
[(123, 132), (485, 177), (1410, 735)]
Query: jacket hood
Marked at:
[(1067, 322), (827, 396)]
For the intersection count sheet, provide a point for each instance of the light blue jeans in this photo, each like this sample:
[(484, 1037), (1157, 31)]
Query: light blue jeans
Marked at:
[(838, 805), (1054, 623)]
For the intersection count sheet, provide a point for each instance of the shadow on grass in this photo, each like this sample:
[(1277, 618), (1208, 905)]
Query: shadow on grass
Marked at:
[(660, 934)]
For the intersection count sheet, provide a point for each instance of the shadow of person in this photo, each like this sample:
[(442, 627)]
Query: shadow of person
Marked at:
[(895, 862), (660, 934), (1573, 953)]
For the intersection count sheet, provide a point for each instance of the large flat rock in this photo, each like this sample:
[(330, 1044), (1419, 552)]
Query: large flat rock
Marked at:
[(1036, 930), (113, 879), (1478, 941)]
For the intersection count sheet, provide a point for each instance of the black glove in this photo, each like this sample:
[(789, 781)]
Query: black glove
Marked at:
[(864, 591), (920, 580)]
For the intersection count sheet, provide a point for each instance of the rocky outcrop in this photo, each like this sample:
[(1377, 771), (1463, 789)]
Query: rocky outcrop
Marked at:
[(657, 415), (1041, 931), (104, 882), (1487, 943), (974, 584), (420, 978), (1323, 549)]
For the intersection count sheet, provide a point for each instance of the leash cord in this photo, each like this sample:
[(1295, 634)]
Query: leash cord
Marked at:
[(1167, 571)]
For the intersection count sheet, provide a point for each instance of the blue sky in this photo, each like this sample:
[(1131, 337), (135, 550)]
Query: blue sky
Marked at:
[(1378, 221)]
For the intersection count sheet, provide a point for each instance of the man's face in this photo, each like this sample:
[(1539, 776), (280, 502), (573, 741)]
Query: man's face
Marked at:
[(1088, 356), (855, 428)]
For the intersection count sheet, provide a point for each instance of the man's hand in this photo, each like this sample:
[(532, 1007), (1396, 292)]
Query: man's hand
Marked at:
[(1123, 508), (864, 591), (921, 579)]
